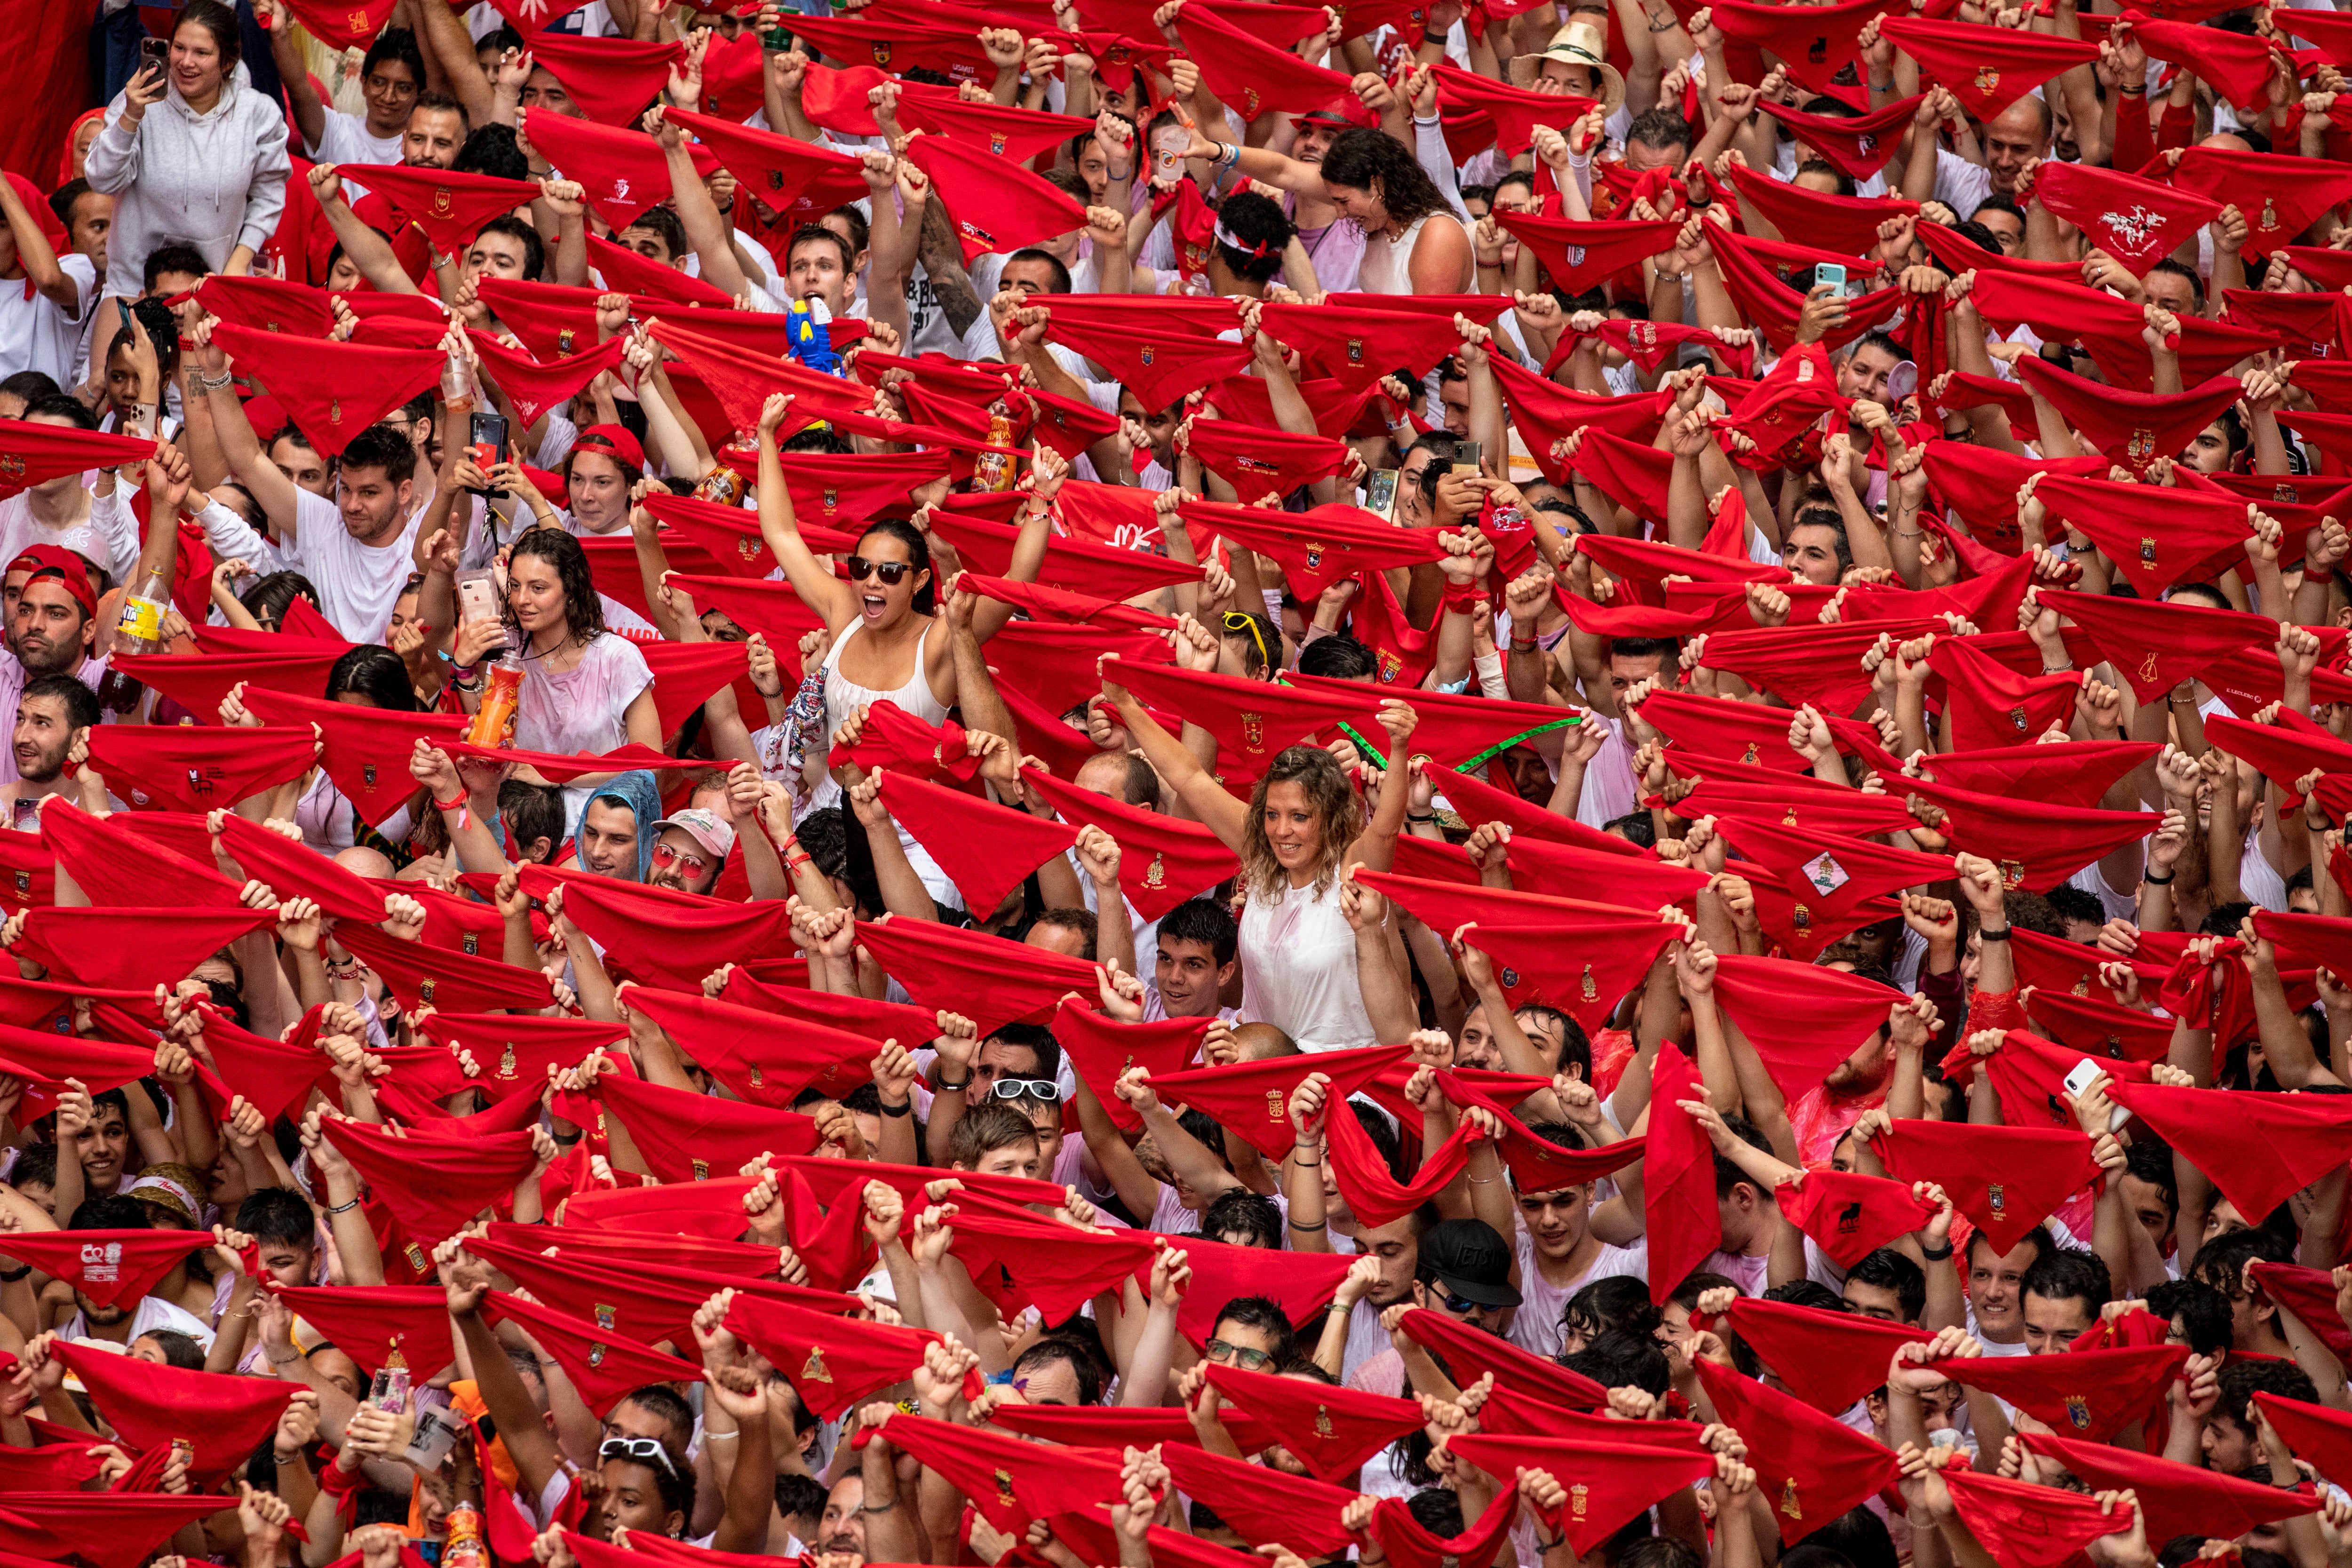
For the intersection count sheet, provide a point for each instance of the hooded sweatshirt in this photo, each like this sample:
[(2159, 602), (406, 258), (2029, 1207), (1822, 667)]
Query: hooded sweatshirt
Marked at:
[(215, 181)]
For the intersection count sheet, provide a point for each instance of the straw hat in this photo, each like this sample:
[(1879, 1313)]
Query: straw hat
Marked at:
[(1579, 43)]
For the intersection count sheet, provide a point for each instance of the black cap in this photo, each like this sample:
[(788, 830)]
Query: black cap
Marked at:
[(1471, 1261)]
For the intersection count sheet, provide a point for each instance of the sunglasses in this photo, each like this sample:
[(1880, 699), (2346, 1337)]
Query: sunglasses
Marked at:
[(1237, 622), (1453, 1303), (1243, 1356), (644, 1451), (1044, 1088), (695, 865), (892, 573)]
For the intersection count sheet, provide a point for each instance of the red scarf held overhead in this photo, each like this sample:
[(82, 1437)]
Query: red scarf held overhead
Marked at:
[(122, 949), (604, 1368), (1828, 1359), (2089, 1395), (1606, 1483), (1019, 1259), (112, 1268), (197, 770), (995, 206), (2024, 1525), (2006, 1180), (1100, 1050), (2258, 1149), (986, 849), (1801, 1020), (1858, 147), (685, 1136), (991, 980), (2155, 645), (623, 171), (374, 1323), (1253, 76), (612, 79), (534, 386), (434, 1185), (451, 208), (1300, 1283), (1252, 1099), (2131, 428), (1987, 69), (832, 1362), (1008, 1481), (1849, 1215), (1991, 704), (2138, 222), (1263, 1505), (742, 1047), (2174, 1499), (313, 385), (1164, 860), (2036, 845), (1678, 1179), (118, 1530), (149, 1406), (1811, 1467), (1331, 1431)]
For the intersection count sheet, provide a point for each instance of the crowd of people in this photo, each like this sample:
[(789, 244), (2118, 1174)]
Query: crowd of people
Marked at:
[(1624, 844)]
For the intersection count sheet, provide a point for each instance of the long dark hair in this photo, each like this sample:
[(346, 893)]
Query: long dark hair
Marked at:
[(375, 673), (583, 611), (918, 550), (1359, 156)]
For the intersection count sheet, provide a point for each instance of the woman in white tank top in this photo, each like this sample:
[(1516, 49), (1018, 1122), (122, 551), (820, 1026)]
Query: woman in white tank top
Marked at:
[(1301, 827), (881, 621), (1412, 242)]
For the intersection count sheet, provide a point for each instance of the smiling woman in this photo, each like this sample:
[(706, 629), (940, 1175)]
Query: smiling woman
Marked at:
[(207, 167)]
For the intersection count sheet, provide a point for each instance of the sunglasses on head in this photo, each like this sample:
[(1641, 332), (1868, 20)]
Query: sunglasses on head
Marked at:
[(644, 1451), (892, 573)]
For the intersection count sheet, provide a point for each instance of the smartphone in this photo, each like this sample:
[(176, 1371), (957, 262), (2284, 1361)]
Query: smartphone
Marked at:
[(1381, 494), (1465, 457), (155, 52), (388, 1390), (2079, 1079), (486, 442), (477, 597), (1831, 275), (25, 817), (1168, 146)]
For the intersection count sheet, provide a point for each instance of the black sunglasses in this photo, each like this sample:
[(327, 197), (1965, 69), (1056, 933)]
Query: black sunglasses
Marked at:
[(892, 573)]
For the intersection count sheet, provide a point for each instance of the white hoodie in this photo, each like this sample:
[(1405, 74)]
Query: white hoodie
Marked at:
[(213, 180)]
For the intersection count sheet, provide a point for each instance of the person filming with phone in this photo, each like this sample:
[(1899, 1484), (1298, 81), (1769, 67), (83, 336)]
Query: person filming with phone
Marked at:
[(191, 153)]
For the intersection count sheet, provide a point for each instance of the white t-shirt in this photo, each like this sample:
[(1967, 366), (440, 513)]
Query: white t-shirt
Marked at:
[(582, 709), (345, 139), (34, 333), (107, 537), (1537, 1326), (357, 583)]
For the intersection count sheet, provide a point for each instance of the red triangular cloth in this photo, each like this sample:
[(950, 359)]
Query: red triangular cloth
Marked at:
[(110, 1266), (1259, 463), (1010, 1481), (1858, 147), (422, 975), (313, 385), (1582, 964), (989, 980), (1263, 1505), (126, 949), (2090, 1396), (604, 1368), (1607, 1483), (2022, 1525), (685, 1136), (1811, 1467), (1801, 1020), (434, 1185), (1993, 705), (2037, 846), (1254, 76), (118, 1530), (1987, 69), (373, 1323), (534, 387), (150, 1404), (995, 205), (742, 1047), (1827, 1359), (2154, 644), (2257, 1148), (183, 768), (2036, 1169), (2174, 1499), (2132, 428), (667, 937), (1164, 860), (2138, 222), (1678, 1179), (1331, 1431), (832, 1362), (1100, 1048), (985, 848), (1851, 1215), (1253, 1098), (612, 79), (451, 208)]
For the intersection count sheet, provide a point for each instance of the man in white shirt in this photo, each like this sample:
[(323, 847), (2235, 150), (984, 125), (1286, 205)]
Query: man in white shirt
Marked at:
[(43, 297), (356, 548), (392, 77)]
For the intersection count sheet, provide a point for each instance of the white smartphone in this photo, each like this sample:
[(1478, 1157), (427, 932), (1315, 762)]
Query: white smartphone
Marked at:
[(2079, 1079), (1831, 274)]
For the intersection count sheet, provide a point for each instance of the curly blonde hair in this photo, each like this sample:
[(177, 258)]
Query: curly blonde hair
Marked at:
[(1337, 805)]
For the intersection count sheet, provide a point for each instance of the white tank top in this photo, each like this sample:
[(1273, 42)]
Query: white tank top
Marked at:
[(1387, 265), (843, 695), (1299, 970)]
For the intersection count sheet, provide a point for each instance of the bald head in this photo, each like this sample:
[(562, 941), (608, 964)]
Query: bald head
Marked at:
[(2013, 138)]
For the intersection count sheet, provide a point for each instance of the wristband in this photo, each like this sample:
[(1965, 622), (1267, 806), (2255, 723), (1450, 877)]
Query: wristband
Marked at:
[(947, 1087), (344, 1208), (904, 1108), (11, 1278), (455, 802), (2163, 881), (1932, 1256), (2000, 935)]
